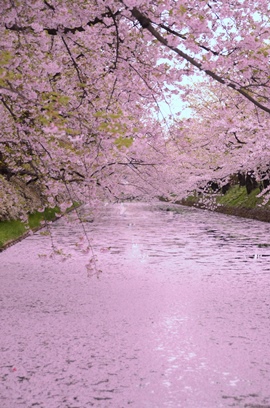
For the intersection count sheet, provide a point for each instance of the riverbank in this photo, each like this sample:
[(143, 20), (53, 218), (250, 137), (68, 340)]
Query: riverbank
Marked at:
[(235, 202), (258, 214), (14, 231)]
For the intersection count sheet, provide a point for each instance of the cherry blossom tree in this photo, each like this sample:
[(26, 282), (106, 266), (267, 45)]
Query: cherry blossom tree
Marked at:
[(225, 139), (80, 83)]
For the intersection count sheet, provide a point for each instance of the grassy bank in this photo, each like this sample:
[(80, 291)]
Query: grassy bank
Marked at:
[(237, 197), (14, 230), (236, 202)]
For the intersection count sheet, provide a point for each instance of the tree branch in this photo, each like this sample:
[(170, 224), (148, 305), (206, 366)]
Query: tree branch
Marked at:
[(145, 22), (61, 29)]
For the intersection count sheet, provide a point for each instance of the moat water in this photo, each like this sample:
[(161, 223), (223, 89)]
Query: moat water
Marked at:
[(174, 312)]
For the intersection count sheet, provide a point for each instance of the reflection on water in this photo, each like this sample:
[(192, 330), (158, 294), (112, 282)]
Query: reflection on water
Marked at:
[(178, 317)]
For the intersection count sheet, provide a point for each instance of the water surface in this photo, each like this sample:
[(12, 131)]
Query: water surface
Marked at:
[(175, 314)]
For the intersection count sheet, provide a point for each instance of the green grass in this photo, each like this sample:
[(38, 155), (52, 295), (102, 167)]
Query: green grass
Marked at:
[(14, 229), (191, 199), (35, 219), (11, 230), (237, 197)]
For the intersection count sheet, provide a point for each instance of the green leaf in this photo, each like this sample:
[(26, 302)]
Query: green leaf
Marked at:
[(123, 142)]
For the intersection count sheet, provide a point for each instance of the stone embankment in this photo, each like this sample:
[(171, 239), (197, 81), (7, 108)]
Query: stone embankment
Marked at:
[(257, 213)]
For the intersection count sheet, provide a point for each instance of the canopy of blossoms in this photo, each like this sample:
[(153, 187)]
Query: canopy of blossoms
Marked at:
[(80, 84)]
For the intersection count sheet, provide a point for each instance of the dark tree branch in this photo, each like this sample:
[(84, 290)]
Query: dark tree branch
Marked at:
[(237, 139), (183, 37), (117, 37), (73, 60), (145, 22), (9, 109), (49, 5), (61, 29)]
